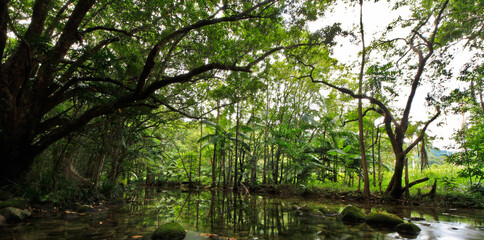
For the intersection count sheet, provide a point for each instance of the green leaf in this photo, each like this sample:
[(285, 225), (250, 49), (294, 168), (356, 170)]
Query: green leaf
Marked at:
[(336, 151)]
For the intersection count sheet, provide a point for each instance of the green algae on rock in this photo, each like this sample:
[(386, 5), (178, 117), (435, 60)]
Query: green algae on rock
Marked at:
[(408, 229), (169, 231), (352, 214), (381, 219)]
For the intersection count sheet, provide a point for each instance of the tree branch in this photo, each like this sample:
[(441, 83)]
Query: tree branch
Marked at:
[(150, 61), (50, 29), (128, 99), (422, 133), (67, 38), (421, 65), (19, 64), (40, 10), (388, 117), (96, 13), (173, 109), (411, 184), (379, 111), (92, 29)]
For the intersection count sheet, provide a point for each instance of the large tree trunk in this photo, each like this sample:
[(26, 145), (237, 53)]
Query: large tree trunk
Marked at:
[(394, 188), (17, 156)]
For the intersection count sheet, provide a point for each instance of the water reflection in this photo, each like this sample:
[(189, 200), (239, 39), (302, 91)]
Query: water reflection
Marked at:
[(236, 216)]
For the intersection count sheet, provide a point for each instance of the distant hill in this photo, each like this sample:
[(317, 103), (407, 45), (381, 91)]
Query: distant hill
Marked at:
[(439, 153), (436, 156)]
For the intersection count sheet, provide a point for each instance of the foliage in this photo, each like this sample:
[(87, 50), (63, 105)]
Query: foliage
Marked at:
[(97, 95), (70, 63), (471, 136), (459, 199)]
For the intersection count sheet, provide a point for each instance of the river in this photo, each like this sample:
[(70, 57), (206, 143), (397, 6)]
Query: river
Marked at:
[(224, 215)]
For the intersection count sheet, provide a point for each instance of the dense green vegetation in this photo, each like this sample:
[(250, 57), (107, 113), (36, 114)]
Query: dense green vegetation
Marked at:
[(237, 95)]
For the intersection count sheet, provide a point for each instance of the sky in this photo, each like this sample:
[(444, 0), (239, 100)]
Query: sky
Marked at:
[(376, 17)]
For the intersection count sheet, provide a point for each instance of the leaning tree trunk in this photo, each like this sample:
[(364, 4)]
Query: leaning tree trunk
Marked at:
[(394, 188)]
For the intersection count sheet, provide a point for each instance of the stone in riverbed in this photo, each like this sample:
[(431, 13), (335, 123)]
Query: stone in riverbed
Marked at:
[(329, 212), (381, 219), (12, 214), (352, 214), (408, 229), (169, 231)]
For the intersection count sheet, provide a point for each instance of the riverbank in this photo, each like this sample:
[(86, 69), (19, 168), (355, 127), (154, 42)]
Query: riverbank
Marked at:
[(439, 200), (449, 199)]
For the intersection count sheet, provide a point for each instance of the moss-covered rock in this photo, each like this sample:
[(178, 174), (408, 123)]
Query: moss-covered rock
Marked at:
[(169, 231), (12, 214), (352, 214), (408, 229), (16, 202), (381, 219), (329, 212)]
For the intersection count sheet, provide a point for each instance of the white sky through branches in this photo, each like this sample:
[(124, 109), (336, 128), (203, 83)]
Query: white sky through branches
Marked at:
[(376, 17)]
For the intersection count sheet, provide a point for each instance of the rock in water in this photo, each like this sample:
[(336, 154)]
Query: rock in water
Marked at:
[(352, 214), (406, 229), (15, 214), (169, 231), (381, 219)]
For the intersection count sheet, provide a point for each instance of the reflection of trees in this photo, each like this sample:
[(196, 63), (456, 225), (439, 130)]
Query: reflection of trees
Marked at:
[(228, 213), (245, 217)]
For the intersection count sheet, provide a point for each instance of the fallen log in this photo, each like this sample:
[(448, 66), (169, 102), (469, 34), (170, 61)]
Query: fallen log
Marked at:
[(404, 189)]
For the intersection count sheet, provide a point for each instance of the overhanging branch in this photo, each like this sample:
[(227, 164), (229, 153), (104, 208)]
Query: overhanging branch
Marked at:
[(379, 111), (131, 98), (150, 60)]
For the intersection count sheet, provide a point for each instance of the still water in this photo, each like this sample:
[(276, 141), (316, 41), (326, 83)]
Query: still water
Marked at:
[(224, 215)]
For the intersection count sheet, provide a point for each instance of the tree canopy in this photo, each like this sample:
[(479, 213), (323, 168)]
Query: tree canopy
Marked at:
[(274, 105), (66, 63)]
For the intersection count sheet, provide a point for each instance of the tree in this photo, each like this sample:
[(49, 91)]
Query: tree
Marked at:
[(366, 180), (472, 155), (467, 26), (114, 55), (471, 136), (422, 42)]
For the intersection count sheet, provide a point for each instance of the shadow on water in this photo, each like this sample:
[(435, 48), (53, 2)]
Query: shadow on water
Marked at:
[(222, 215)]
